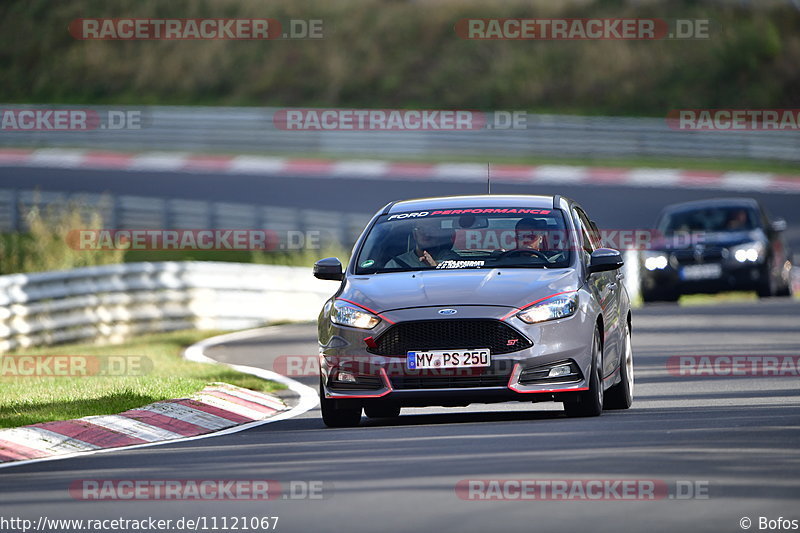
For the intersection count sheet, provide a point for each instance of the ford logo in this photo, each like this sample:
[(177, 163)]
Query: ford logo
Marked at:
[(447, 311)]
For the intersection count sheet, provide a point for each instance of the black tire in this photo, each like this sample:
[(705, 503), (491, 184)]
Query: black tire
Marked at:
[(590, 402), (649, 296), (337, 417), (620, 396), (766, 285), (660, 296), (380, 410)]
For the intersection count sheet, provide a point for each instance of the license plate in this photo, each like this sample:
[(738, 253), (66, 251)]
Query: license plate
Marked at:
[(695, 272), (448, 359)]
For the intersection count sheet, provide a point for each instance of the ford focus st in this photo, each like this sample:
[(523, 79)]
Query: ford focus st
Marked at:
[(475, 299)]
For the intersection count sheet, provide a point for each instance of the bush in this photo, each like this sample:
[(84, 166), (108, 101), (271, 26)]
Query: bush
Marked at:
[(44, 247), (379, 53)]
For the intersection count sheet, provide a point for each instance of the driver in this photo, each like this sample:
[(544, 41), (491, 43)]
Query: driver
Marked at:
[(737, 220), (432, 244)]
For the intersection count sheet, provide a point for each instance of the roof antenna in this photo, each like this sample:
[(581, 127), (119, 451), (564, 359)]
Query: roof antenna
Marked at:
[(489, 178)]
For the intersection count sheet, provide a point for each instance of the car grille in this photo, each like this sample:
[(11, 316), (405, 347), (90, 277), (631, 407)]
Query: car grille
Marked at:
[(445, 334), (709, 255), (449, 382)]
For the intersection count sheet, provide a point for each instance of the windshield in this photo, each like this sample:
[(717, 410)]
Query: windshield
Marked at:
[(466, 238), (709, 219)]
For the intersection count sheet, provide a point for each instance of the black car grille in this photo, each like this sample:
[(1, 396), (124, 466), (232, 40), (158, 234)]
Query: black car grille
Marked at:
[(708, 255), (446, 334), (448, 382)]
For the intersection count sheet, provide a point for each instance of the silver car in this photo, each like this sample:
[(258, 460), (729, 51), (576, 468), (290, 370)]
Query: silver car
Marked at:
[(475, 299)]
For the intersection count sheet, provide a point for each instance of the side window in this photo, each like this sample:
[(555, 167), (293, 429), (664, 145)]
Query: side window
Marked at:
[(764, 219), (597, 239), (583, 228)]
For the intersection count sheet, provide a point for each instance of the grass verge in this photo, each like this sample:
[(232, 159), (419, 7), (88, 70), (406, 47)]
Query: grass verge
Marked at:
[(696, 300), (30, 400)]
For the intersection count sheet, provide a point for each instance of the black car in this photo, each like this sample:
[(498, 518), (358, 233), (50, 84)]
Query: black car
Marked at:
[(710, 246)]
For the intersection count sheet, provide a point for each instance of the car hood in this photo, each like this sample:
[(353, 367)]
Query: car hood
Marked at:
[(497, 287)]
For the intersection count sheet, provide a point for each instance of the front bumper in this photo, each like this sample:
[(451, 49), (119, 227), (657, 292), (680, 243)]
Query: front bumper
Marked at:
[(732, 278), (510, 377)]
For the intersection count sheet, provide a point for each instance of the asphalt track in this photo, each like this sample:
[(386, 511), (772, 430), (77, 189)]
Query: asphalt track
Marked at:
[(737, 436)]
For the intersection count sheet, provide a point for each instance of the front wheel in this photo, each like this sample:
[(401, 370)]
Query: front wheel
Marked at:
[(590, 402), (766, 285), (337, 417), (656, 295), (620, 396)]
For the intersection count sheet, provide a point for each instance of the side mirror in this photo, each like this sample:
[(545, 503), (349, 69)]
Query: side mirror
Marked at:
[(605, 259), (329, 268), (778, 225)]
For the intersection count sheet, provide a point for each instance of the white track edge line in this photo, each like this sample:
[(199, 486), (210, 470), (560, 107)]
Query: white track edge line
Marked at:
[(308, 397)]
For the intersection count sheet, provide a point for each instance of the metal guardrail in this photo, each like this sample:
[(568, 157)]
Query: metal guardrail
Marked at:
[(236, 129), (142, 212), (116, 301)]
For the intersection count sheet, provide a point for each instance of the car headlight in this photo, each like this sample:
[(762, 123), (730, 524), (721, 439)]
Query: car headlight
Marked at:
[(655, 261), (560, 306), (345, 314), (749, 251)]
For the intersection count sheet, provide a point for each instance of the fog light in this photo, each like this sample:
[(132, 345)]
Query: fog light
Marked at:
[(346, 377), (558, 371)]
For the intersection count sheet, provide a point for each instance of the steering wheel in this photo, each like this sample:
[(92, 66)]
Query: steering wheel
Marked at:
[(522, 251)]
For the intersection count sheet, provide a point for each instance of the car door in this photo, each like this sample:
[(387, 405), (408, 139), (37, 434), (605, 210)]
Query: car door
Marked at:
[(608, 293)]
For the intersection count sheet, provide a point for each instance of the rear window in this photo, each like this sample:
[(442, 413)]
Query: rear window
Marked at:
[(466, 238)]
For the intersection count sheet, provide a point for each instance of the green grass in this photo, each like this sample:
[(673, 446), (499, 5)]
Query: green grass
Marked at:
[(695, 300), (31, 400)]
